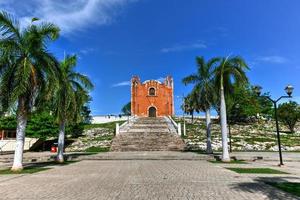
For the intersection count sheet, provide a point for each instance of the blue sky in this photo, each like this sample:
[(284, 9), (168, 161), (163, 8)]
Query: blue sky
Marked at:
[(115, 39)]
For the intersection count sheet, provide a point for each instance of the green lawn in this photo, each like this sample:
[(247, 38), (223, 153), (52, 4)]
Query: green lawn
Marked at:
[(42, 166), (109, 125), (293, 188), (26, 170), (97, 149), (256, 170), (231, 162)]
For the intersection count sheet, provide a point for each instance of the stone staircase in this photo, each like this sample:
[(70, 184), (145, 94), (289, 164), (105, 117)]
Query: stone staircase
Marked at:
[(148, 134)]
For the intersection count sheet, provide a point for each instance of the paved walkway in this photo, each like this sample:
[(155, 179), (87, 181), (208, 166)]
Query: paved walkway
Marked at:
[(138, 179)]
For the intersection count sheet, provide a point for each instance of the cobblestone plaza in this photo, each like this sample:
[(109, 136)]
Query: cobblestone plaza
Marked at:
[(137, 179)]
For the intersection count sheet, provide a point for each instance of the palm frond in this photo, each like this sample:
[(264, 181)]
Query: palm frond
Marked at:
[(190, 79), (82, 79), (9, 26), (48, 31)]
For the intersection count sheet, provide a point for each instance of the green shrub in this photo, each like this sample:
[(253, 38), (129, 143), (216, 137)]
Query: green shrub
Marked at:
[(41, 125), (97, 149), (289, 114)]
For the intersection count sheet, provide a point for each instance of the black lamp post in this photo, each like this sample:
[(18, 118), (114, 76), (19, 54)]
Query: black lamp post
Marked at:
[(289, 90)]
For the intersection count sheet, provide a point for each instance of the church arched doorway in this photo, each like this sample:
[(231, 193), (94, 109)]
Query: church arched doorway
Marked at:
[(152, 112)]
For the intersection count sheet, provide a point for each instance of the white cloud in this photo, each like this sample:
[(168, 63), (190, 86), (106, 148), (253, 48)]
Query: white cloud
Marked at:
[(273, 59), (87, 51), (70, 15), (161, 79), (184, 47), (123, 83)]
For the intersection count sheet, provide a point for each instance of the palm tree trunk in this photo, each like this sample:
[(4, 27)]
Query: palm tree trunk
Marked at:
[(61, 142), (192, 117), (208, 133), (225, 153), (20, 135)]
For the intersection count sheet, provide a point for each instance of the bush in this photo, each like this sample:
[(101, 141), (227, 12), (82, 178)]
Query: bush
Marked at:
[(97, 149), (41, 125), (8, 122), (289, 114)]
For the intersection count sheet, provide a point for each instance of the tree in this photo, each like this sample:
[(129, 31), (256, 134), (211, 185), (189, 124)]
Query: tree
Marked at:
[(126, 110), (204, 85), (190, 104), (243, 104), (229, 71), (69, 97), (41, 125), (26, 68), (86, 114), (289, 114), (8, 122)]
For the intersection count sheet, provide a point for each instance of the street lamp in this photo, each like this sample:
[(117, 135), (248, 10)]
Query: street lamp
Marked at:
[(289, 90)]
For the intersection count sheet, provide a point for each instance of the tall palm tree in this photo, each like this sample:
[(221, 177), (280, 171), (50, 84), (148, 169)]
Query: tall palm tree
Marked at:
[(71, 94), (230, 71), (204, 85), (26, 68)]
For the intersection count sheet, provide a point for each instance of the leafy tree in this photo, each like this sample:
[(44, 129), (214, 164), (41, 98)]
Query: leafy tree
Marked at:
[(69, 97), (265, 106), (289, 114), (8, 122), (86, 114), (205, 90), (243, 104), (26, 69), (229, 71), (126, 110), (41, 125)]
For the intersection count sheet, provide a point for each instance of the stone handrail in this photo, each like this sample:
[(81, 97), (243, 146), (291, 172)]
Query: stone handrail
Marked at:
[(177, 125), (122, 126)]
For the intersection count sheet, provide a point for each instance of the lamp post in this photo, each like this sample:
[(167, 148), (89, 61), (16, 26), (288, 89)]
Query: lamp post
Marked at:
[(289, 90)]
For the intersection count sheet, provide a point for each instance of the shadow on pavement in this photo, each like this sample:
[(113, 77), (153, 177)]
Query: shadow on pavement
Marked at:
[(260, 186)]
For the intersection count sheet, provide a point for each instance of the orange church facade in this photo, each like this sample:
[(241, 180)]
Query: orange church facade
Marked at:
[(152, 98)]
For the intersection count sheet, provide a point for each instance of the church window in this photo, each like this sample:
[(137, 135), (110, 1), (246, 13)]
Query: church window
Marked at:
[(152, 92)]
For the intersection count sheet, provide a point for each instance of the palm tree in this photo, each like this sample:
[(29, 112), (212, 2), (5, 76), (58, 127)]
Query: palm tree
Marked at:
[(230, 71), (70, 96), (190, 104), (204, 85), (26, 68)]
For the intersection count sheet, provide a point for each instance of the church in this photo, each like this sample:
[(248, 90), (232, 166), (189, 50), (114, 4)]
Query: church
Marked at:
[(152, 98)]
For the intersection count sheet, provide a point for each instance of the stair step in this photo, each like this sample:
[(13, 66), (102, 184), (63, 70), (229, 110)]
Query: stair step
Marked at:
[(147, 134)]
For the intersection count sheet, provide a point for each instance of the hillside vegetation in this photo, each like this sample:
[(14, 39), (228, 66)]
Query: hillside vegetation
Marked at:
[(257, 136)]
